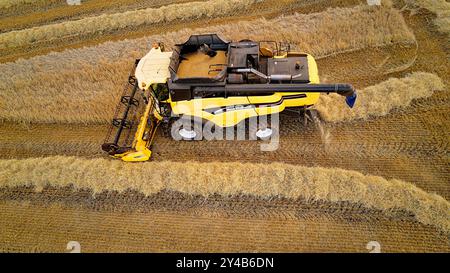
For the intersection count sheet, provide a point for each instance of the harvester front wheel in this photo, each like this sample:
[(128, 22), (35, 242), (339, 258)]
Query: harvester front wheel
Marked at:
[(186, 128)]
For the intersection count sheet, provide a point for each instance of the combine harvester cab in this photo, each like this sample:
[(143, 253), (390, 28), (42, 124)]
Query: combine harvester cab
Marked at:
[(207, 79)]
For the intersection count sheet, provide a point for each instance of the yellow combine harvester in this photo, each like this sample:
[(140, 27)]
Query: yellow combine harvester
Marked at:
[(209, 80)]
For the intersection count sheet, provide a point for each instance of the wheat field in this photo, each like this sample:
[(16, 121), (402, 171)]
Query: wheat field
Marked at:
[(380, 99), (84, 84), (228, 179), (378, 171)]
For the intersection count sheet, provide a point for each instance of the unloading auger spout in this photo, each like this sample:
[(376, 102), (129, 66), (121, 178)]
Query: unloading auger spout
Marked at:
[(342, 89)]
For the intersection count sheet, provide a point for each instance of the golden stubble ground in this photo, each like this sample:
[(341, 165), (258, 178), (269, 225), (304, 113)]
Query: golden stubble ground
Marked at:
[(204, 230)]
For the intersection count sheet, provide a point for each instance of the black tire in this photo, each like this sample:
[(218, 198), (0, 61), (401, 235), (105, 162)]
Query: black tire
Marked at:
[(264, 122), (188, 124)]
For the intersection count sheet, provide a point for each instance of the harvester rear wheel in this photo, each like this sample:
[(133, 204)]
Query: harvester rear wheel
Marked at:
[(264, 129)]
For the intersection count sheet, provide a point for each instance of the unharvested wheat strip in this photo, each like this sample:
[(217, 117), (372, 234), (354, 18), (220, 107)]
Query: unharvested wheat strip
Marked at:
[(380, 99), (439, 7), (57, 11), (228, 179), (83, 85), (109, 22), (5, 4)]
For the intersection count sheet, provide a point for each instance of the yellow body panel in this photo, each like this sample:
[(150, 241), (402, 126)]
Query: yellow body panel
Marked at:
[(196, 107)]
